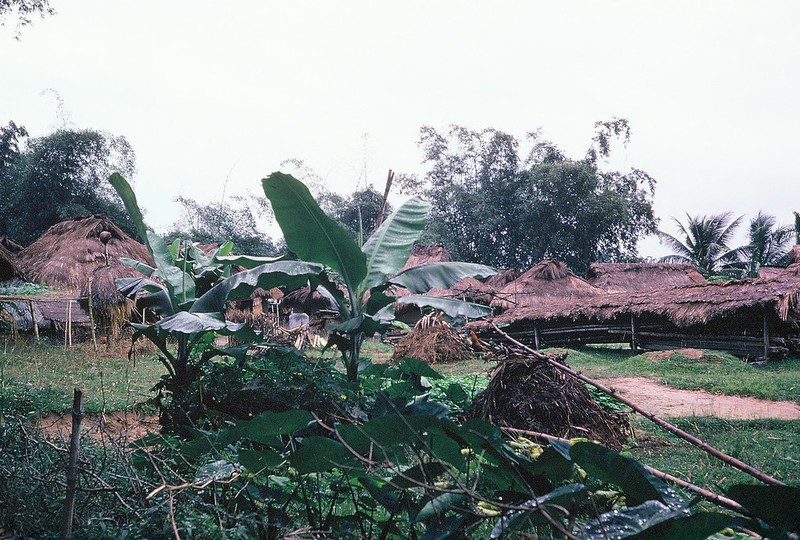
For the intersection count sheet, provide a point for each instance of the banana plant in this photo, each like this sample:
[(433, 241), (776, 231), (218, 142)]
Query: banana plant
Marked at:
[(188, 290), (363, 277)]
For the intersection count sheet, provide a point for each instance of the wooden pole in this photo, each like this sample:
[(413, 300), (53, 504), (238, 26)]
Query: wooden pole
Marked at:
[(536, 336), (715, 498), (72, 471), (33, 318), (91, 312), (634, 345), (766, 335), (730, 460)]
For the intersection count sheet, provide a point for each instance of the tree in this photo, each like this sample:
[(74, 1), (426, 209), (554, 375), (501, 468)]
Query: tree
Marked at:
[(233, 221), (769, 243), (24, 11), (489, 205), (61, 176), (705, 242), (358, 213)]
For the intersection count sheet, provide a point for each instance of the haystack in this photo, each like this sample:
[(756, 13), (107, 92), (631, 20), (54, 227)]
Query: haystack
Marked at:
[(547, 281), (619, 277), (433, 341), (531, 394), (70, 255)]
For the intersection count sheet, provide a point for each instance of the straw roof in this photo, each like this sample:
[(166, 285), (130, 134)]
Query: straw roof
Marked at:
[(468, 289), (427, 254), (684, 306), (642, 276), (548, 280), (10, 245), (8, 266), (68, 252)]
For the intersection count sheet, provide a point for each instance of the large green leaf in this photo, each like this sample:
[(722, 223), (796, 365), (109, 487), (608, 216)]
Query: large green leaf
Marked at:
[(247, 261), (777, 505), (421, 279), (388, 249), (180, 284), (564, 496), (309, 233), (451, 307), (290, 274), (627, 473), (156, 296)]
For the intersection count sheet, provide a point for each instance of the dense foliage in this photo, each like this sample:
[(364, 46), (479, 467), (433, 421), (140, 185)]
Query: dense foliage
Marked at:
[(233, 220), (493, 206), (61, 176)]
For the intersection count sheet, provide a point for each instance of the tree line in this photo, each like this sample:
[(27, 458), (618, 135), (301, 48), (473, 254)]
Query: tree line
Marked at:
[(494, 201)]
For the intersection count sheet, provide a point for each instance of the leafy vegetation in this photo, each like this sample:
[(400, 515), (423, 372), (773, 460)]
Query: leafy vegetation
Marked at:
[(61, 176), (485, 197), (25, 289), (704, 242)]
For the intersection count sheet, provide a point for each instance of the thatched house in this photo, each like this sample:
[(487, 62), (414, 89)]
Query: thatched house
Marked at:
[(82, 255), (642, 276), (749, 318), (549, 280)]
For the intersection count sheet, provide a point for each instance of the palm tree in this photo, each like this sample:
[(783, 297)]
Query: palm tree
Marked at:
[(705, 242), (769, 243)]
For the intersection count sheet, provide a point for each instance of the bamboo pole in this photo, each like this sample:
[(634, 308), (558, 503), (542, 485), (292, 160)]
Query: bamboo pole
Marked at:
[(33, 318), (72, 471), (730, 460), (91, 312), (634, 345), (766, 336), (715, 498)]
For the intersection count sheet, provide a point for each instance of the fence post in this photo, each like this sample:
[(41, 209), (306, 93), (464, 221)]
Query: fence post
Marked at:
[(72, 471)]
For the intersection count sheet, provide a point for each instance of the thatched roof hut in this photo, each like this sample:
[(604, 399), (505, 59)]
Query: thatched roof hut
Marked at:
[(68, 252), (642, 276), (683, 306), (549, 280), (71, 257)]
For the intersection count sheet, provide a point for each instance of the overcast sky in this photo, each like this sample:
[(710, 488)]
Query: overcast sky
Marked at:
[(207, 94)]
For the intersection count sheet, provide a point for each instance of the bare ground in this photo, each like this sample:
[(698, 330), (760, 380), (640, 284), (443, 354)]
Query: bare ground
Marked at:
[(670, 402)]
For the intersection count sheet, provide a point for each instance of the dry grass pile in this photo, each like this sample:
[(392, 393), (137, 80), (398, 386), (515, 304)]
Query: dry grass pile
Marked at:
[(433, 341), (531, 394)]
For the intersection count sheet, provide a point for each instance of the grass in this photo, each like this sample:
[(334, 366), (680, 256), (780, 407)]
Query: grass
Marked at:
[(770, 445), (715, 372), (41, 377)]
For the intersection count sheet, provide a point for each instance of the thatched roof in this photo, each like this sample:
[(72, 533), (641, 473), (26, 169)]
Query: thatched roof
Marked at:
[(547, 280), (69, 252), (427, 254), (642, 276), (9, 269), (503, 277), (10, 245), (684, 306), (468, 289)]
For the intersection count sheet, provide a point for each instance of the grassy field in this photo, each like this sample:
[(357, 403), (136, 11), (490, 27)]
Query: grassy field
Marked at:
[(41, 377), (715, 372)]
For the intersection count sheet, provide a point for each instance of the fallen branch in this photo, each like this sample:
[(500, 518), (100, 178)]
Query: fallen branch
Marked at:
[(688, 437), (715, 498)]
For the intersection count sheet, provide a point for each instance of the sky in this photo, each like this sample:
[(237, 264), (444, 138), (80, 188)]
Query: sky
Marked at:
[(214, 98)]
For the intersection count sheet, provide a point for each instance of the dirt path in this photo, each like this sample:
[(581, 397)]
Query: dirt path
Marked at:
[(669, 402)]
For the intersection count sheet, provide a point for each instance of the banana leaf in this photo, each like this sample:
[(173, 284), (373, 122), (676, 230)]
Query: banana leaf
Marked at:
[(309, 233)]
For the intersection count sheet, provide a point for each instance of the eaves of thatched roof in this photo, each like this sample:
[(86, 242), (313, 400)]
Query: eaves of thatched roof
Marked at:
[(684, 306), (642, 276), (9, 269)]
